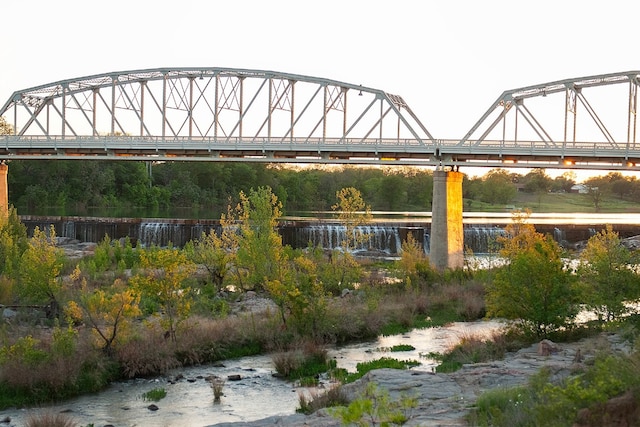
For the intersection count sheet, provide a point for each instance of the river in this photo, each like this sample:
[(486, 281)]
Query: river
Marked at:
[(189, 401)]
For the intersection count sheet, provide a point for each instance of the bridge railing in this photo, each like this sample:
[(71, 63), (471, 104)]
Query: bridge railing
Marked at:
[(442, 152)]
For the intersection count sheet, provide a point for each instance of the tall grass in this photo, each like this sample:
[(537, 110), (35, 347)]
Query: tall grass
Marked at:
[(49, 419)]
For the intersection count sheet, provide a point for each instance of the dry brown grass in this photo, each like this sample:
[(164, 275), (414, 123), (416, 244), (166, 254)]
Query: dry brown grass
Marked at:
[(24, 369), (314, 399), (49, 419)]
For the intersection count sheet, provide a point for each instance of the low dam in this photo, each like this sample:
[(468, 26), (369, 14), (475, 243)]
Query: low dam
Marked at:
[(384, 236)]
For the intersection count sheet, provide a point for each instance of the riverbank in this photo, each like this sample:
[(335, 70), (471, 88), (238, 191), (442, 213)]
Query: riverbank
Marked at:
[(446, 399)]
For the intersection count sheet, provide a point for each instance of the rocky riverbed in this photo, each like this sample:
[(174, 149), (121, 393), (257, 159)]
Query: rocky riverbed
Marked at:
[(445, 399)]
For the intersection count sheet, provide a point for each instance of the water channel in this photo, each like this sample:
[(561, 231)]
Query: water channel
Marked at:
[(189, 401)]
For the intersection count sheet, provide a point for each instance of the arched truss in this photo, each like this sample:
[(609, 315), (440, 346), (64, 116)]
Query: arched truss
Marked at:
[(213, 113), (584, 122)]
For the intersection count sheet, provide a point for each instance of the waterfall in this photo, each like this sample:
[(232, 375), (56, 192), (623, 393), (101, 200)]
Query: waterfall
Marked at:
[(383, 238), (482, 239), (369, 238)]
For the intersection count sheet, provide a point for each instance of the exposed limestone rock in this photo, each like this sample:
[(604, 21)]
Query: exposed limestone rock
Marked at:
[(445, 399)]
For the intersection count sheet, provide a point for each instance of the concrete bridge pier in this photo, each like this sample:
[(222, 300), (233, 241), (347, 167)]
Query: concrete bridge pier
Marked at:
[(447, 235), (4, 189)]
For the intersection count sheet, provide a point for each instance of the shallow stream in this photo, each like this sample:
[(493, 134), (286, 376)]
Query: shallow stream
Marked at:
[(189, 400)]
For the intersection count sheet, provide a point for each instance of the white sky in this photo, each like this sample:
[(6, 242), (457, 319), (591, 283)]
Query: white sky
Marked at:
[(448, 59)]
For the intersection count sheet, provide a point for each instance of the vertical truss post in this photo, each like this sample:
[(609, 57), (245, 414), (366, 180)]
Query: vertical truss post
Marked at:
[(113, 105), (381, 117), (271, 106), (143, 85), (164, 106), (48, 117), (571, 107), (94, 115), (633, 110), (344, 112), (293, 116), (15, 120), (241, 109), (64, 111), (324, 114), (504, 129), (190, 112), (216, 106)]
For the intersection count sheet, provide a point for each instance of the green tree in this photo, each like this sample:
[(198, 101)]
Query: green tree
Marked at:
[(40, 267), (606, 271), (164, 280), (108, 314), (498, 187), (537, 182), (352, 213), (564, 182), (299, 295), (260, 246), (533, 288), (216, 252), (13, 242), (599, 187)]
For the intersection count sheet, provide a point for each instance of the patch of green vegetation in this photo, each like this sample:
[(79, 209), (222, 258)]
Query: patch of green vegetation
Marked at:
[(364, 367), (545, 402), (312, 367), (401, 347), (155, 395)]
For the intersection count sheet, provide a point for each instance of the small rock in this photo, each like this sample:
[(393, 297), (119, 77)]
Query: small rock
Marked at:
[(234, 377), (5, 420), (153, 407), (547, 348)]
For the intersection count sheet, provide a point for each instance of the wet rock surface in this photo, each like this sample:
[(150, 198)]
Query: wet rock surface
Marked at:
[(445, 399)]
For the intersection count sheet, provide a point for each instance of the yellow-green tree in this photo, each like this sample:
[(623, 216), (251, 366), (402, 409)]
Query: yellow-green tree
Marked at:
[(534, 288), (352, 212), (164, 280), (217, 252), (40, 266), (13, 243), (108, 314), (519, 235), (605, 271), (299, 295), (260, 251)]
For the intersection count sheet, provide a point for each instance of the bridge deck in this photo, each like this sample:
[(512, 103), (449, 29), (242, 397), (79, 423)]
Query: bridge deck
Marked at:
[(585, 155)]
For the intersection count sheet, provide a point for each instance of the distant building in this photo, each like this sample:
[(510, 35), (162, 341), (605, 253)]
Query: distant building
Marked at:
[(580, 189)]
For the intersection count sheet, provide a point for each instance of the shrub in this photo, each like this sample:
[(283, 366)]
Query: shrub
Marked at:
[(334, 396), (376, 407), (310, 361), (473, 349)]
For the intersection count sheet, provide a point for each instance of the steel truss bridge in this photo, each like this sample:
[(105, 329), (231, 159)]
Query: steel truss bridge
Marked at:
[(222, 114)]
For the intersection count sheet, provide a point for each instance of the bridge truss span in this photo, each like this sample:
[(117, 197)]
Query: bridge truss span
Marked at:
[(224, 114), (211, 113), (587, 122)]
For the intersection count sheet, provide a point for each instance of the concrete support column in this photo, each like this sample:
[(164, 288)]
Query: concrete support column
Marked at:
[(447, 236), (4, 190)]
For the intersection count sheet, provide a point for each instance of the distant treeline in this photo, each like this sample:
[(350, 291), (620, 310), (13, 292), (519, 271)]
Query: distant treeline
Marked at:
[(125, 188)]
